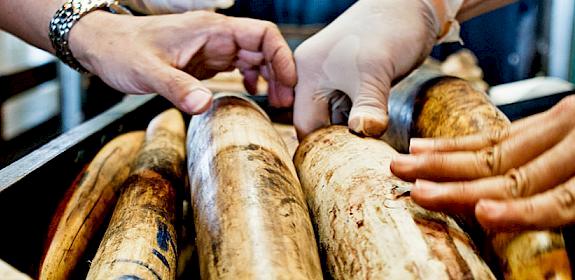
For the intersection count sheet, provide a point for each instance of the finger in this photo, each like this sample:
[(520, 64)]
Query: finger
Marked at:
[(550, 209), (198, 69), (310, 113), (265, 72), (481, 140), (262, 36), (242, 65), (282, 76), (273, 96), (454, 197), (282, 95), (465, 143), (544, 172), (220, 46), (493, 160), (251, 80), (248, 33), (550, 169), (268, 75), (282, 63), (285, 95), (219, 65), (368, 115), (184, 91), (446, 166), (250, 57), (459, 196)]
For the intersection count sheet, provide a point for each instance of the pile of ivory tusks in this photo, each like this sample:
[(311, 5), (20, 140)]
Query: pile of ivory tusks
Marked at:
[(251, 216)]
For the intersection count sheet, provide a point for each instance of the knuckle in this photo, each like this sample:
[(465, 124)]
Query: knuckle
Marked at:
[(436, 161), (266, 26), (272, 26), (211, 19), (208, 15), (202, 13), (493, 137), (446, 143), (220, 32), (565, 199), (463, 189), (529, 208), (489, 161), (456, 142), (174, 86), (531, 216), (226, 50), (517, 184)]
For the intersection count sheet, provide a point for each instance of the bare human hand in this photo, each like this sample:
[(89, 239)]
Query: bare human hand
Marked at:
[(521, 178), (156, 7), (169, 54)]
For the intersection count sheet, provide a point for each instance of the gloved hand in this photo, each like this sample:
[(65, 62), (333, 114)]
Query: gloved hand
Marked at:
[(170, 54), (361, 54), (156, 7)]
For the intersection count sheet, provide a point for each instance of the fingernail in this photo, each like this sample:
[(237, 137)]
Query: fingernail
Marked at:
[(197, 102), (419, 144), (402, 159), (427, 189), (490, 208)]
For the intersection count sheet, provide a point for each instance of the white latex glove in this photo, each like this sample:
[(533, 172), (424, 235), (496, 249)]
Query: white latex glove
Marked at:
[(360, 54), (156, 7)]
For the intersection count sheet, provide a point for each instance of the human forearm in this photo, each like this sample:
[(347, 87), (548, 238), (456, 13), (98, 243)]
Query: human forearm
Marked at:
[(473, 8), (29, 20)]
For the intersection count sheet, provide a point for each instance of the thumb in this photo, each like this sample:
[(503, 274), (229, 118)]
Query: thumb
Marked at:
[(311, 108), (184, 91), (368, 114)]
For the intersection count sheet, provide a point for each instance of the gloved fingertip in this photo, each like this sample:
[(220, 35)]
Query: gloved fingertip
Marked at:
[(368, 125), (301, 133), (305, 125), (196, 102)]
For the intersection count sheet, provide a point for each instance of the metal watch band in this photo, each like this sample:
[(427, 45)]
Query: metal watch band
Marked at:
[(65, 18)]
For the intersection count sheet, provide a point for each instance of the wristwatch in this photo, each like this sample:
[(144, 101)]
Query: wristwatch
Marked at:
[(65, 18)]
